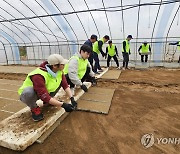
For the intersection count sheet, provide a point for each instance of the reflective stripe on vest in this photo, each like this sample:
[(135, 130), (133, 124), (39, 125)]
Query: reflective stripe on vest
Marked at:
[(127, 46), (95, 46), (51, 83), (144, 48), (82, 66), (111, 50)]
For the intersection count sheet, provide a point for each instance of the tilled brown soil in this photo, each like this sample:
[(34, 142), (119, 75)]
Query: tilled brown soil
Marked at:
[(145, 101)]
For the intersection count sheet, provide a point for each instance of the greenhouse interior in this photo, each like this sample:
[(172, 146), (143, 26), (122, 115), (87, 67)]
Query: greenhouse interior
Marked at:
[(90, 76), (32, 30)]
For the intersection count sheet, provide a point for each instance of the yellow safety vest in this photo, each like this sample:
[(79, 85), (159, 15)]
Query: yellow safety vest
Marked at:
[(82, 66), (179, 46), (51, 83), (127, 46), (95, 46), (145, 49), (111, 50)]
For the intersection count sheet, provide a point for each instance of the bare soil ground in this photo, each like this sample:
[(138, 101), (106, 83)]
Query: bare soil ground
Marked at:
[(145, 101)]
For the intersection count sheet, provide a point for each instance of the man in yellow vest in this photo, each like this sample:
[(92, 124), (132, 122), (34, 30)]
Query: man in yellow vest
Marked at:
[(126, 52), (43, 83), (144, 50), (79, 69), (178, 47), (97, 48), (111, 51)]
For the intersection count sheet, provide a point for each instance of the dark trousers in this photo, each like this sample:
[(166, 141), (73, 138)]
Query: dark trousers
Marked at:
[(115, 59), (91, 59), (125, 59), (96, 65), (142, 58), (86, 77)]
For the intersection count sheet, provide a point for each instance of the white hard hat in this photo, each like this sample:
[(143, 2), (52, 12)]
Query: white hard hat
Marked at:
[(56, 59)]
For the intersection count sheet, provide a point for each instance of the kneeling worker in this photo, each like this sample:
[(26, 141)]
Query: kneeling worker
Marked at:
[(43, 83), (79, 69)]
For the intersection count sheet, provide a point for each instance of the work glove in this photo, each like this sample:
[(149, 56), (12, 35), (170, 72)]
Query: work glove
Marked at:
[(103, 54), (68, 107), (73, 102), (83, 87), (94, 82)]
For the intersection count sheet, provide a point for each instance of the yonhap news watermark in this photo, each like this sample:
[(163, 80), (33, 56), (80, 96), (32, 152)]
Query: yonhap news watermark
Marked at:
[(149, 140)]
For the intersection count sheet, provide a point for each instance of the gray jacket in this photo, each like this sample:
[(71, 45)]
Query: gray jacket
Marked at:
[(73, 70)]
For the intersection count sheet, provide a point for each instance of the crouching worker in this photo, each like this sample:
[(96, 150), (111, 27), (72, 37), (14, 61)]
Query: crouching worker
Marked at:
[(43, 83), (79, 69)]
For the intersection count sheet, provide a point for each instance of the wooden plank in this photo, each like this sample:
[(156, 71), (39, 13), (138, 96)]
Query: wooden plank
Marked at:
[(111, 74), (51, 129), (102, 73), (96, 100), (19, 131), (57, 123)]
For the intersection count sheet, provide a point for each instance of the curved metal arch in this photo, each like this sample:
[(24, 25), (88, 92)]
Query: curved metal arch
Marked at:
[(13, 32), (55, 23), (170, 29), (43, 32), (22, 15), (155, 25), (5, 52), (107, 19), (9, 45), (137, 31), (46, 26), (67, 23), (92, 18), (155, 21), (26, 26), (21, 30), (122, 19), (37, 27), (99, 9), (78, 18), (15, 26)]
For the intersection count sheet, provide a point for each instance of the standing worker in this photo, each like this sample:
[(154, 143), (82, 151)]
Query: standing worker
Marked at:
[(126, 52), (79, 69), (144, 50), (97, 48), (178, 46), (111, 51), (43, 83), (90, 42)]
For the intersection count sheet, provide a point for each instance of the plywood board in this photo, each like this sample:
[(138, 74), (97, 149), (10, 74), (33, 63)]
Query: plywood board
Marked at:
[(96, 100), (19, 131), (101, 73), (111, 74)]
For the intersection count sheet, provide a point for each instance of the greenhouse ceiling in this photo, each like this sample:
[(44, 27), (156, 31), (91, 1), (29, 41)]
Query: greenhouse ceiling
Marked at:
[(28, 22)]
